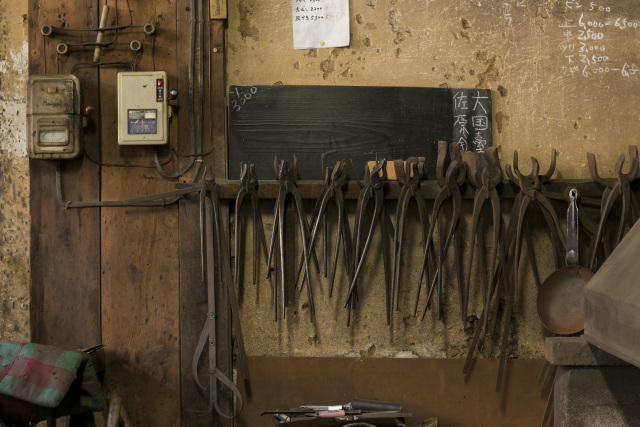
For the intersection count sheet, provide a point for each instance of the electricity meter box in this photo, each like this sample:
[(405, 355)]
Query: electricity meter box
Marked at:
[(143, 112), (54, 117)]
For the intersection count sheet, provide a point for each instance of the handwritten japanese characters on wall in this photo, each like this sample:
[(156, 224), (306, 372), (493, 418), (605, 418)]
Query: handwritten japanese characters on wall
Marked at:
[(320, 23), (509, 8), (472, 119), (587, 32)]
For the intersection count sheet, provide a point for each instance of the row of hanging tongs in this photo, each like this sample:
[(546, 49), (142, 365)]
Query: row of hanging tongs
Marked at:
[(480, 170), (504, 278)]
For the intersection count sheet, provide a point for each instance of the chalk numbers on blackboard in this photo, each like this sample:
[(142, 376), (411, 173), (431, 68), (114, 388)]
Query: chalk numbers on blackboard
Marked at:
[(584, 41), (242, 96)]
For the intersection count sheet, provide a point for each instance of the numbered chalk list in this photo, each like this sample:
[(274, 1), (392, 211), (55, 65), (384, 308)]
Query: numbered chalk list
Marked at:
[(587, 30), (361, 122)]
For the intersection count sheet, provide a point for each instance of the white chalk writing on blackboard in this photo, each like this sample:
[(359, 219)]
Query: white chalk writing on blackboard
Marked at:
[(242, 95), (480, 121), (471, 119)]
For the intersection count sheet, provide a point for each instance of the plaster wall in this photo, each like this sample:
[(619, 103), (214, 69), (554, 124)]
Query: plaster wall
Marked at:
[(523, 50), (563, 75), (14, 174)]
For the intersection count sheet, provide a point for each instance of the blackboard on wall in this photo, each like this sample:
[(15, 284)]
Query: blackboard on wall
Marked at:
[(362, 123)]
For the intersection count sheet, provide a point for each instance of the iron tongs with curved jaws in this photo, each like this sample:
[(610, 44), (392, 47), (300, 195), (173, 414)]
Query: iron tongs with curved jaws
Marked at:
[(530, 190), (333, 190), (214, 245), (490, 177), (326, 172), (621, 187), (410, 174), (248, 187), (287, 178), (373, 188), (450, 183)]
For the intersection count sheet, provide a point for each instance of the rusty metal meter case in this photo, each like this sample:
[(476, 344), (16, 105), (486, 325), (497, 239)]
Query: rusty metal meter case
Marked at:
[(54, 117)]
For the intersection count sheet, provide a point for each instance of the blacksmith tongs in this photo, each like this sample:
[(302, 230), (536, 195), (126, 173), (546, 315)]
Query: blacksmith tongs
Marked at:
[(530, 190), (373, 188), (333, 190), (248, 187), (490, 177), (410, 174), (450, 183), (619, 188), (287, 178)]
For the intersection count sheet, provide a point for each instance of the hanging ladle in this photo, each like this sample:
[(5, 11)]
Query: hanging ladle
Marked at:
[(561, 297)]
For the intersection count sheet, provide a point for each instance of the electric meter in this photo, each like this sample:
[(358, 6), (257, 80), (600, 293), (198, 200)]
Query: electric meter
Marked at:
[(143, 112), (54, 117)]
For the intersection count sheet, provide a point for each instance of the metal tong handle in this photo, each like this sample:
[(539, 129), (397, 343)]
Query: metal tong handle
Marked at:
[(572, 256)]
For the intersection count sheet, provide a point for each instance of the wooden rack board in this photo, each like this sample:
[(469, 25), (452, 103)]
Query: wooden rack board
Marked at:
[(589, 191)]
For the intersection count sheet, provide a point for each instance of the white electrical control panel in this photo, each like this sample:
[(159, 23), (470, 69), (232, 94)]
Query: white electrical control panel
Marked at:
[(143, 112), (54, 117)]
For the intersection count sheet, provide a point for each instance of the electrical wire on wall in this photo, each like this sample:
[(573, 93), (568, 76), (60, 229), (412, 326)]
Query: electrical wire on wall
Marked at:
[(195, 115), (65, 48), (195, 122), (115, 28), (49, 30)]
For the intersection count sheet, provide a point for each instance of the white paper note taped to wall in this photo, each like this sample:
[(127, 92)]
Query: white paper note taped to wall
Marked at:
[(320, 23)]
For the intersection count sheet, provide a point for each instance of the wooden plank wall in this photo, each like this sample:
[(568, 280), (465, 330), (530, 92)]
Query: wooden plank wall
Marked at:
[(193, 295), (139, 245), (112, 275), (65, 244)]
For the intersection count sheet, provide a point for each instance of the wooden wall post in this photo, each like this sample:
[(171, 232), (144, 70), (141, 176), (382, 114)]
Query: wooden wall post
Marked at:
[(65, 244)]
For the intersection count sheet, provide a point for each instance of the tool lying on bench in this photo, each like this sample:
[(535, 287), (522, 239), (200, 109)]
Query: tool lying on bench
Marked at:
[(214, 243), (358, 412)]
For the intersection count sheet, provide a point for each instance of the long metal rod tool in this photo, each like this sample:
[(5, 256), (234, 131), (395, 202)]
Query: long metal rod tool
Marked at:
[(214, 244)]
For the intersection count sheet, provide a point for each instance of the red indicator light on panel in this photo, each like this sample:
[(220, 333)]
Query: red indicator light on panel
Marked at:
[(160, 82)]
